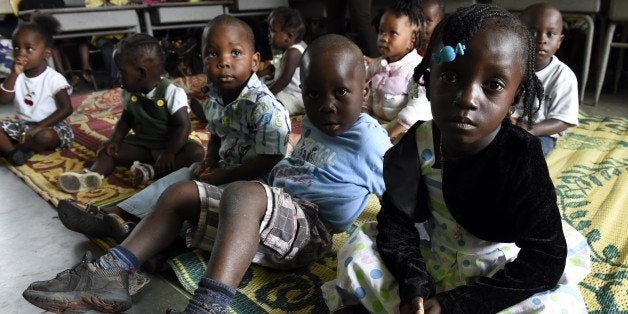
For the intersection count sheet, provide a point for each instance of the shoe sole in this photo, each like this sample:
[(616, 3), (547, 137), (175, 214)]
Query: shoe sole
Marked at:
[(72, 182), (59, 302), (80, 220)]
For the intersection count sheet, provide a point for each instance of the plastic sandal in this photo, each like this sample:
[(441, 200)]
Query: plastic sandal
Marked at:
[(72, 182)]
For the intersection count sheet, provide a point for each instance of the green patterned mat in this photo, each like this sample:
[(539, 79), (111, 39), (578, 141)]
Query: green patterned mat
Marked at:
[(588, 167)]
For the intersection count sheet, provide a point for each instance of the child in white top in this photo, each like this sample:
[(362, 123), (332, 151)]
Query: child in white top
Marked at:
[(390, 103), (40, 95), (559, 108), (286, 30)]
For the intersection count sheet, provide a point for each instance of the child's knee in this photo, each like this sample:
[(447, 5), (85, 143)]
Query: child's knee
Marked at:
[(45, 139), (243, 196)]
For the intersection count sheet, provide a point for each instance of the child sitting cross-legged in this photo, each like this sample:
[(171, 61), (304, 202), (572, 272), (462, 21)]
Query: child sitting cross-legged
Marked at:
[(493, 240), (249, 133), (155, 109), (285, 222)]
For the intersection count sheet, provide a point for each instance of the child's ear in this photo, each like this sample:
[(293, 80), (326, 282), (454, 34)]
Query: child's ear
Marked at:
[(560, 40), (255, 62), (365, 92), (47, 53)]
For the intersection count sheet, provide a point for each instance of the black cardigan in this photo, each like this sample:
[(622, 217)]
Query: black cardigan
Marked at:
[(502, 194)]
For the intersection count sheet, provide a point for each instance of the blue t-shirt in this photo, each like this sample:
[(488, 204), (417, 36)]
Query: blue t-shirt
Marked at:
[(337, 173)]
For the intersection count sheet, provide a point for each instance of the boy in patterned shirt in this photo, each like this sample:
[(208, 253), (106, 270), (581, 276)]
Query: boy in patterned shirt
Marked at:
[(249, 134)]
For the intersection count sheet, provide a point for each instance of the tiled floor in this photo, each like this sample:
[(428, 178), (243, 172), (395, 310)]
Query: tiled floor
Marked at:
[(36, 246)]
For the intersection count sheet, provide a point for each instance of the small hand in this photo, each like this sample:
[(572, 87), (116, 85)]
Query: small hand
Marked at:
[(164, 163), (414, 307), (111, 148), (216, 176), (19, 63)]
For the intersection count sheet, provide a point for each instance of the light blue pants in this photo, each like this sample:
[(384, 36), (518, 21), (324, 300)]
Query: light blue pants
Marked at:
[(141, 204)]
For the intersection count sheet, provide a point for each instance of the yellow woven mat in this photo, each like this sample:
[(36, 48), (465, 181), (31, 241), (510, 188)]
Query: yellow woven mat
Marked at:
[(588, 168)]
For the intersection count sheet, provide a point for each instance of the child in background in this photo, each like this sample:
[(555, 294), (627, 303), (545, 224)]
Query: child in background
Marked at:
[(433, 12), (286, 29), (284, 223), (495, 237), (249, 134), (40, 95), (155, 109), (390, 75), (559, 108)]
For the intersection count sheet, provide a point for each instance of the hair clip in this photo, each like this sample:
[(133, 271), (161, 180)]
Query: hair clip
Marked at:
[(448, 53)]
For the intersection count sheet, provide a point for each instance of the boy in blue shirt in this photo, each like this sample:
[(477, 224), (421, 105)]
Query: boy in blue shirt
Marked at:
[(284, 223)]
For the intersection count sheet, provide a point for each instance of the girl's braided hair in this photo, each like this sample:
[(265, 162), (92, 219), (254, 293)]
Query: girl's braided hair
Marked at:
[(461, 26), (412, 10), (44, 24), (132, 49)]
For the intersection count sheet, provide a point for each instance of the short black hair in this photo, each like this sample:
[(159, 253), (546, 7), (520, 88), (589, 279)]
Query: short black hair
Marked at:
[(290, 20), (412, 10), (225, 19), (331, 42), (44, 24), (133, 48), (461, 26)]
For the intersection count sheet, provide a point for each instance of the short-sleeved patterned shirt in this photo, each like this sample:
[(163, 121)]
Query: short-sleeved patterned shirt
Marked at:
[(253, 124)]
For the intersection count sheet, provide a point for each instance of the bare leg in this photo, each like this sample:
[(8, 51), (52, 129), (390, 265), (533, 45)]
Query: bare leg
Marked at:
[(156, 231), (242, 208), (105, 164)]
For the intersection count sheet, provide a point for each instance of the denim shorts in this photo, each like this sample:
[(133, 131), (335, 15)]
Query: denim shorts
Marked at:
[(14, 128), (291, 234)]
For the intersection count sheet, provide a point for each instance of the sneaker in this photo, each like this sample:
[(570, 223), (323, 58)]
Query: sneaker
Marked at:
[(92, 221), (85, 180), (83, 287), (142, 173)]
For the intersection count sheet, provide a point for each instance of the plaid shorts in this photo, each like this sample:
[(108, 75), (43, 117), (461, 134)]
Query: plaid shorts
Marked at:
[(14, 128), (291, 234)]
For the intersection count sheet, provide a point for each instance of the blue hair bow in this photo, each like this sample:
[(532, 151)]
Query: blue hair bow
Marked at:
[(448, 53)]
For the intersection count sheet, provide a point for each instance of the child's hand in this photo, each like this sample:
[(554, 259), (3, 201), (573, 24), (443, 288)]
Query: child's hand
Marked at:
[(111, 148), (19, 63), (215, 176), (164, 163), (417, 306), (206, 165)]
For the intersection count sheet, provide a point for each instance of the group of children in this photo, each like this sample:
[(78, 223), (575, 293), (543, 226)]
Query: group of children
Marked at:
[(469, 220)]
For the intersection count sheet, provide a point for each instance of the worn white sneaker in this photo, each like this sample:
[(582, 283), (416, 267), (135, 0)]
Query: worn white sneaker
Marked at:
[(85, 180)]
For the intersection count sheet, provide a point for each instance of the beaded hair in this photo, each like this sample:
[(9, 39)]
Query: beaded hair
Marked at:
[(461, 26), (44, 24), (132, 49), (290, 21)]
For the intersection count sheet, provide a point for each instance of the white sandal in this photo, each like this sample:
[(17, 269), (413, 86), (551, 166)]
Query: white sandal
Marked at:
[(142, 173), (72, 182)]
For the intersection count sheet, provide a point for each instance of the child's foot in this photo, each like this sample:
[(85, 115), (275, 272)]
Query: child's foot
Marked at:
[(17, 157), (85, 180), (92, 221), (84, 287), (142, 173)]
